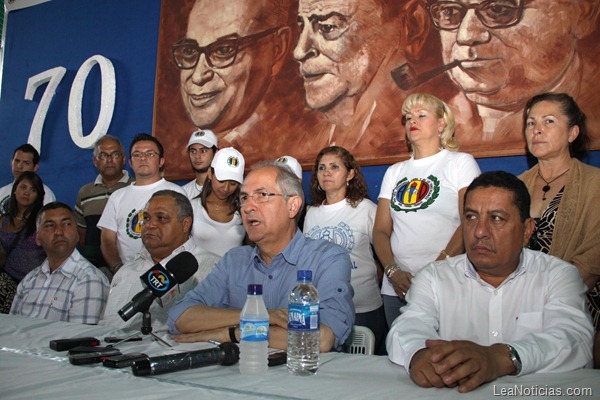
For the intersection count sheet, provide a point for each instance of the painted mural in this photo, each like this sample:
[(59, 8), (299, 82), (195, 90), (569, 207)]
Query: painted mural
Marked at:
[(289, 77)]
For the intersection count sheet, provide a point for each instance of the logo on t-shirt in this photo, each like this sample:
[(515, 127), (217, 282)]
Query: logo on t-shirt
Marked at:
[(134, 224), (4, 205), (416, 194), (341, 235)]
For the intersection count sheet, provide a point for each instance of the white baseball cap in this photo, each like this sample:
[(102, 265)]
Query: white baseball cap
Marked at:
[(292, 164), (204, 137), (229, 165)]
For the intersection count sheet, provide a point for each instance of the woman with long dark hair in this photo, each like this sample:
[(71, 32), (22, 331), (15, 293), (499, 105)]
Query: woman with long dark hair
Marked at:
[(19, 252), (217, 222)]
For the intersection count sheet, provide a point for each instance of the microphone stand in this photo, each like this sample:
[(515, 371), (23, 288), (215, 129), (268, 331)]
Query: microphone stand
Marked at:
[(146, 329)]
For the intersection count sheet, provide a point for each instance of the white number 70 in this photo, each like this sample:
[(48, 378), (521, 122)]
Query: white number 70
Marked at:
[(53, 77)]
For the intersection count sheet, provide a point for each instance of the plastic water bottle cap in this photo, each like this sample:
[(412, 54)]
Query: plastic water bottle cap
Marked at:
[(254, 289), (304, 275)]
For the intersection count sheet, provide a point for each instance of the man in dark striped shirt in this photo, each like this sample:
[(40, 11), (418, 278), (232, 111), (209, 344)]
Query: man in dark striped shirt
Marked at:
[(109, 160)]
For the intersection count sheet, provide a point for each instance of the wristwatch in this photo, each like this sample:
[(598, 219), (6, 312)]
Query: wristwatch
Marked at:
[(232, 334), (515, 359), (391, 269)]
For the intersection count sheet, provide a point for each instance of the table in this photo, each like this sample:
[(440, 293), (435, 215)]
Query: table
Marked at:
[(29, 369)]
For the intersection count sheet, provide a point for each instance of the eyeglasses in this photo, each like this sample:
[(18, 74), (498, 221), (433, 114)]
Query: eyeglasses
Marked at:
[(258, 197), (144, 154), (219, 54), (105, 156), (494, 14)]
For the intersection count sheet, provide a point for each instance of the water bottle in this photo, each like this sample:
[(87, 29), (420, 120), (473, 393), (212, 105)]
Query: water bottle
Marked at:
[(254, 333), (303, 327)]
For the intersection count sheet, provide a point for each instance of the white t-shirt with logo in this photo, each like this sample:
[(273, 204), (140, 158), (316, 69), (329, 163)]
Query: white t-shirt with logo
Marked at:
[(352, 229), (123, 214), (423, 198)]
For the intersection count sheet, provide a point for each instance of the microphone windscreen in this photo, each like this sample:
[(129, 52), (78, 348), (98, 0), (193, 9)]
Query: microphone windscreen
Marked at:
[(182, 266), (232, 353)]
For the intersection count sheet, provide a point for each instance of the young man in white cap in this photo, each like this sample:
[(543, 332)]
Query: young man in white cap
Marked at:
[(201, 150), (292, 164)]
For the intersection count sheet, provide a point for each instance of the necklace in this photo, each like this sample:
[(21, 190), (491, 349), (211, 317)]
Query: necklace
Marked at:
[(546, 188), (218, 207)]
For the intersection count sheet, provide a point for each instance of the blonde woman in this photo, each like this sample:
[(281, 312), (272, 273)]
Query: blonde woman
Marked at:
[(420, 202)]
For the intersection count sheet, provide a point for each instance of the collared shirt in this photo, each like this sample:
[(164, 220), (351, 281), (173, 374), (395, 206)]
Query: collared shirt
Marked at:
[(126, 283), (539, 309), (92, 198), (227, 285), (90, 203), (75, 292)]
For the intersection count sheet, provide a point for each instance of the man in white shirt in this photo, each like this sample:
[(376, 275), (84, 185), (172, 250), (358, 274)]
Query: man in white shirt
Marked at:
[(121, 219), (167, 223), (25, 158), (499, 309), (201, 150)]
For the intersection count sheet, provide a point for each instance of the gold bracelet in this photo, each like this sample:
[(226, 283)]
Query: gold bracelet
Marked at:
[(445, 254)]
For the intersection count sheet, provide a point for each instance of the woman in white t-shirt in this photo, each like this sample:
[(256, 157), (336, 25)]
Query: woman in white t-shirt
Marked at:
[(217, 222), (421, 199), (342, 213)]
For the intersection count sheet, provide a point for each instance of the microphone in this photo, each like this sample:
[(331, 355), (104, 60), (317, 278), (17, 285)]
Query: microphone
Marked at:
[(158, 281), (225, 354), (406, 78)]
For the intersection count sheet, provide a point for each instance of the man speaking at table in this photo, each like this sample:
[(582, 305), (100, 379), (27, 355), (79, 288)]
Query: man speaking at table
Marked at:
[(498, 310), (271, 200)]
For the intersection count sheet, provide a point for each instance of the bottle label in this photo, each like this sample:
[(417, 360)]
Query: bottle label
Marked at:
[(254, 331), (303, 317)]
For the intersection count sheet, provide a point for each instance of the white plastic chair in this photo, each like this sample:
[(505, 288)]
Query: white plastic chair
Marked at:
[(361, 341)]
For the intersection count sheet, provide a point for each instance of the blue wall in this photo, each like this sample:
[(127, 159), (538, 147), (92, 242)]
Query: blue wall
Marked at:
[(66, 33)]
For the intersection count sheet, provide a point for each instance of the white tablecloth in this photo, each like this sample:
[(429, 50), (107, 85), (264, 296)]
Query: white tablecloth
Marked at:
[(29, 369)]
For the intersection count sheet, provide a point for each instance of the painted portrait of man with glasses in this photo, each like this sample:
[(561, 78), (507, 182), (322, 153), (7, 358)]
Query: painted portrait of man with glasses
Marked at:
[(228, 59), (510, 50), (274, 77)]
